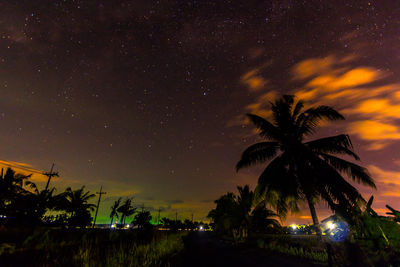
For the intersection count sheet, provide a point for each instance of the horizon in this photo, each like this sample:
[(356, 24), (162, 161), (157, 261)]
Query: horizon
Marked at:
[(148, 99)]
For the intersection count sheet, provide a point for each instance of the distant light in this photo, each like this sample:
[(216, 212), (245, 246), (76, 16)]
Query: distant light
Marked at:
[(294, 227), (127, 226), (201, 228), (113, 226), (331, 225)]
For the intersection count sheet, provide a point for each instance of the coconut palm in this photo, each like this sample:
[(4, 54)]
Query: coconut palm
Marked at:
[(299, 169), (142, 219), (114, 209), (237, 215), (76, 203), (12, 183), (13, 195), (126, 209)]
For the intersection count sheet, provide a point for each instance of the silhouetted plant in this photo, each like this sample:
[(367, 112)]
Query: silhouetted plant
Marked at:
[(142, 219), (126, 210), (75, 202), (236, 215), (394, 213), (300, 169), (114, 209)]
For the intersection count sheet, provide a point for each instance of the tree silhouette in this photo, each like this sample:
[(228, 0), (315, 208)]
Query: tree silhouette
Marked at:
[(14, 198), (126, 209), (76, 203), (142, 219), (237, 215), (11, 184), (114, 209), (301, 170)]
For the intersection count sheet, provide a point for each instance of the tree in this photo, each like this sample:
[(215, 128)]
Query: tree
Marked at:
[(11, 185), (114, 209), (126, 209), (236, 215), (263, 218), (142, 219), (15, 200), (300, 169), (76, 203)]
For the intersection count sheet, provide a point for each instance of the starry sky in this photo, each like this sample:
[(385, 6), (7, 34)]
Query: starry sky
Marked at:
[(147, 98)]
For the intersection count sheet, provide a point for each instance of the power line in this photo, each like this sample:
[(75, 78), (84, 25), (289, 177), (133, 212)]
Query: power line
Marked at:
[(98, 204), (50, 174)]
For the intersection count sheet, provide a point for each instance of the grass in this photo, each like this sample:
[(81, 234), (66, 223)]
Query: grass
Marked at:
[(155, 253), (307, 253), (93, 247)]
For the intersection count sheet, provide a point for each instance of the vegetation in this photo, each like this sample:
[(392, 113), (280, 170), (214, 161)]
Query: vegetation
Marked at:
[(300, 169), (235, 216), (37, 225), (95, 247), (126, 210)]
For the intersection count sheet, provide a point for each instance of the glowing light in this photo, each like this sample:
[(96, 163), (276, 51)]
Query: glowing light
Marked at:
[(201, 228), (294, 227), (127, 226), (113, 226), (331, 225)]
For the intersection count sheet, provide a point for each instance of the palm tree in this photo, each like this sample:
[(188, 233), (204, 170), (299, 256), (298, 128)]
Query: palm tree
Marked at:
[(239, 214), (126, 209), (13, 196), (300, 169), (114, 208), (142, 219), (76, 203), (12, 183)]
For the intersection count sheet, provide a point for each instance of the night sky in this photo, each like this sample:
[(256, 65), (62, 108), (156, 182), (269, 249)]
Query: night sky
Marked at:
[(147, 97)]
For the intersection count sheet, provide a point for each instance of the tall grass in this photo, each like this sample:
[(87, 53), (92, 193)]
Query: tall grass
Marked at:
[(293, 249), (155, 253)]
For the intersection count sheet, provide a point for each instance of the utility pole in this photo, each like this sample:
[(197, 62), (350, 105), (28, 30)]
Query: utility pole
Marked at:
[(50, 174), (98, 204)]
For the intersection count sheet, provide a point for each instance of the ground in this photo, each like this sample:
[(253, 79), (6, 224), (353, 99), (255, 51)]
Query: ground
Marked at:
[(203, 249)]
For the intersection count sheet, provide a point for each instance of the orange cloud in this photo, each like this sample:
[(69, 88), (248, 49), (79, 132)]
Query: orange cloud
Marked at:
[(253, 80), (25, 169), (379, 108), (384, 176), (352, 78), (375, 131), (313, 66)]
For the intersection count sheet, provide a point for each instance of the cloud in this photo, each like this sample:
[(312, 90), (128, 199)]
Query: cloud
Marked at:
[(352, 78), (175, 201), (385, 176), (253, 80), (313, 66), (25, 169), (378, 132)]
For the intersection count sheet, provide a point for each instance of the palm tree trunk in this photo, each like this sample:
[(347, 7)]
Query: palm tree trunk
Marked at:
[(315, 218)]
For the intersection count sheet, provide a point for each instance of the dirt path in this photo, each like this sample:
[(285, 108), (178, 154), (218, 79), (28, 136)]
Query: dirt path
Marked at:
[(203, 249)]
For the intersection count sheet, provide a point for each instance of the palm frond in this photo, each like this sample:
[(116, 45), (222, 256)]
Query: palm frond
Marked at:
[(352, 170), (309, 119), (266, 128), (339, 144), (257, 153), (297, 109)]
